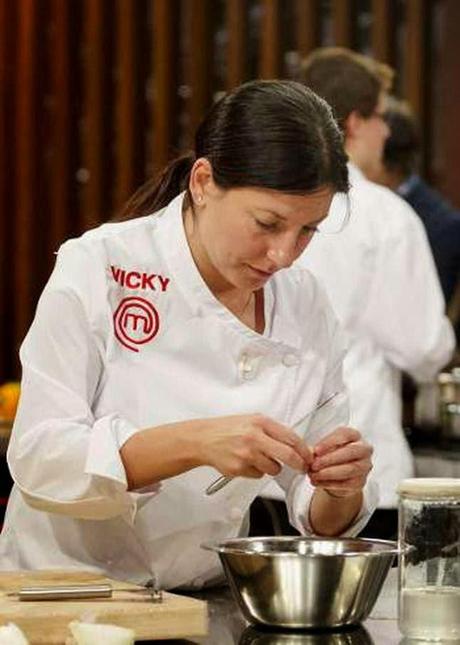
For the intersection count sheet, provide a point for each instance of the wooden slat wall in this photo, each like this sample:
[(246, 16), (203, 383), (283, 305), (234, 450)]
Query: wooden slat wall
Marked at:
[(198, 62), (448, 103), (123, 83), (383, 31), (270, 49), (61, 71), (127, 117), (165, 56), (7, 12), (415, 80), (237, 35), (26, 185), (94, 117), (342, 22), (307, 25)]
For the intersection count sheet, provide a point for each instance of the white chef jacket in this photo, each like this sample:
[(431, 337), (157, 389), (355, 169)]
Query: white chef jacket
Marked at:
[(381, 280), (126, 336)]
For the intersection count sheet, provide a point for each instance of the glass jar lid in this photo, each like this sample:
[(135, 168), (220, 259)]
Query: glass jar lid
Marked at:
[(445, 378), (430, 487)]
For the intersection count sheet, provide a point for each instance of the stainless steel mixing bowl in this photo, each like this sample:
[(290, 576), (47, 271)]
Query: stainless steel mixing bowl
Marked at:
[(299, 583), (347, 636)]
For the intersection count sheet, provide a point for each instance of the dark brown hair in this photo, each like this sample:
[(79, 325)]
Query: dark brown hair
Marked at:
[(266, 134), (402, 146), (347, 80)]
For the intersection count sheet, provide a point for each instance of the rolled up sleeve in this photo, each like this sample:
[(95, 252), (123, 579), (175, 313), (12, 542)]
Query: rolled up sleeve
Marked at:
[(62, 458)]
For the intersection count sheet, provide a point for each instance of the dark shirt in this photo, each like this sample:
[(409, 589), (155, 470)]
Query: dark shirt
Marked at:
[(442, 224)]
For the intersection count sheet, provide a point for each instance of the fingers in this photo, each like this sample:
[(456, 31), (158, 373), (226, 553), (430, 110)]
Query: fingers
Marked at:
[(251, 472), (266, 465), (253, 446), (351, 452), (285, 445), (339, 437), (342, 461), (342, 473)]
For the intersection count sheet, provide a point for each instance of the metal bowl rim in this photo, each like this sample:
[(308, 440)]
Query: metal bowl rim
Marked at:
[(223, 548)]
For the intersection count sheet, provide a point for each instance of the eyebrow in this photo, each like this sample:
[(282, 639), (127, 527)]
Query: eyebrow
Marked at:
[(280, 217)]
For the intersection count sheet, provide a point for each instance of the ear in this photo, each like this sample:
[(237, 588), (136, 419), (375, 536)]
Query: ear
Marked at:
[(201, 180), (353, 124)]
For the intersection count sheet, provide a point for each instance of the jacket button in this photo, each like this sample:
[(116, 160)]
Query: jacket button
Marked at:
[(289, 360), (235, 513), (246, 368)]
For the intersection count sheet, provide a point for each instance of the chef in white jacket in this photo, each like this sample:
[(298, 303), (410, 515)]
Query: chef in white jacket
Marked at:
[(379, 275), (170, 348)]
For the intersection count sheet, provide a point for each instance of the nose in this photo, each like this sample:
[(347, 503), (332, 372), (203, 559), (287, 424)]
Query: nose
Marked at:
[(282, 255), (385, 129)]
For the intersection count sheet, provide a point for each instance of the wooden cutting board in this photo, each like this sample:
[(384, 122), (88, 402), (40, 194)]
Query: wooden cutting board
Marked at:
[(47, 621)]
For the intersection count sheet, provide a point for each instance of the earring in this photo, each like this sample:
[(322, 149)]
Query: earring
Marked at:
[(199, 198)]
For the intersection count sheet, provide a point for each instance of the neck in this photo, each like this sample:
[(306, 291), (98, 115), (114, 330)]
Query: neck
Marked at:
[(354, 156), (234, 298), (395, 179)]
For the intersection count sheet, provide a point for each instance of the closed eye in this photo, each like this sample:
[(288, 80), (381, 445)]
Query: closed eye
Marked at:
[(267, 226)]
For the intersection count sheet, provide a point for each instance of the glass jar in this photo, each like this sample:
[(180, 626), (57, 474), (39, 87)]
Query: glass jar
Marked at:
[(429, 560)]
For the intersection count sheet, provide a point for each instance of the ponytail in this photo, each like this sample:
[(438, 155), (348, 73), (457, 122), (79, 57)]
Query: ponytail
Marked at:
[(156, 193)]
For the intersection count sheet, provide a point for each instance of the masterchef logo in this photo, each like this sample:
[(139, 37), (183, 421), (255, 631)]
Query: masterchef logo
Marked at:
[(136, 322)]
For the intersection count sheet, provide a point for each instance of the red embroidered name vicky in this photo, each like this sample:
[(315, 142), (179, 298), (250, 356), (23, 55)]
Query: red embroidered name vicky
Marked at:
[(139, 280)]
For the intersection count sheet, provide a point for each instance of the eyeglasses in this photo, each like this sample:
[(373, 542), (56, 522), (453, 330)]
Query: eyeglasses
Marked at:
[(376, 114)]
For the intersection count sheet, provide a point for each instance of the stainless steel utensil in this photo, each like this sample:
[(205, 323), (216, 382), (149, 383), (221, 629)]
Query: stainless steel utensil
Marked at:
[(223, 480), (301, 583), (81, 592)]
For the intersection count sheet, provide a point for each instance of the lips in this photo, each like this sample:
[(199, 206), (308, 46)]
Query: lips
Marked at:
[(261, 273)]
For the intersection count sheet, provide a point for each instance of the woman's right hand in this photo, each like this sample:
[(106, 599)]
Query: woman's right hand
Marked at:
[(251, 445)]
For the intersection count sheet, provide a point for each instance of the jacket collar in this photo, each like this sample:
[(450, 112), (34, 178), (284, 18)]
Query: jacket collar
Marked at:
[(170, 234)]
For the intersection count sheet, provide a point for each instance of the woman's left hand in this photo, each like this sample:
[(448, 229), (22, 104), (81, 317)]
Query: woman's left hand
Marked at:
[(341, 463)]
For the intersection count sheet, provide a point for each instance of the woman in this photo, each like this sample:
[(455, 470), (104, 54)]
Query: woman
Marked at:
[(170, 348)]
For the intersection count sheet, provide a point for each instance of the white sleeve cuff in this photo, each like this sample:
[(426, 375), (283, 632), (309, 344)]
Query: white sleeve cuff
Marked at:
[(299, 498), (108, 436)]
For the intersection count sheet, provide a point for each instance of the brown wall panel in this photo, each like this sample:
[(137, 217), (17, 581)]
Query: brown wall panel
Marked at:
[(61, 139), (383, 31), (415, 80), (165, 57), (270, 40), (93, 121), (127, 117), (342, 22), (198, 62), (27, 165), (7, 202), (307, 25), (448, 102), (237, 37)]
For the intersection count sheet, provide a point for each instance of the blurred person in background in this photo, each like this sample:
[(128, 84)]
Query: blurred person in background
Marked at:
[(399, 171), (379, 275)]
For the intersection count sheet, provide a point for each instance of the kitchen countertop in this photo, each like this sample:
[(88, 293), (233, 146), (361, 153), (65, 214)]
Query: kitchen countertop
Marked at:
[(227, 626)]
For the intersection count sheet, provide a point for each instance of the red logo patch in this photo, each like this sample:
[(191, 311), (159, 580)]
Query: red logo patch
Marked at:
[(136, 322)]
